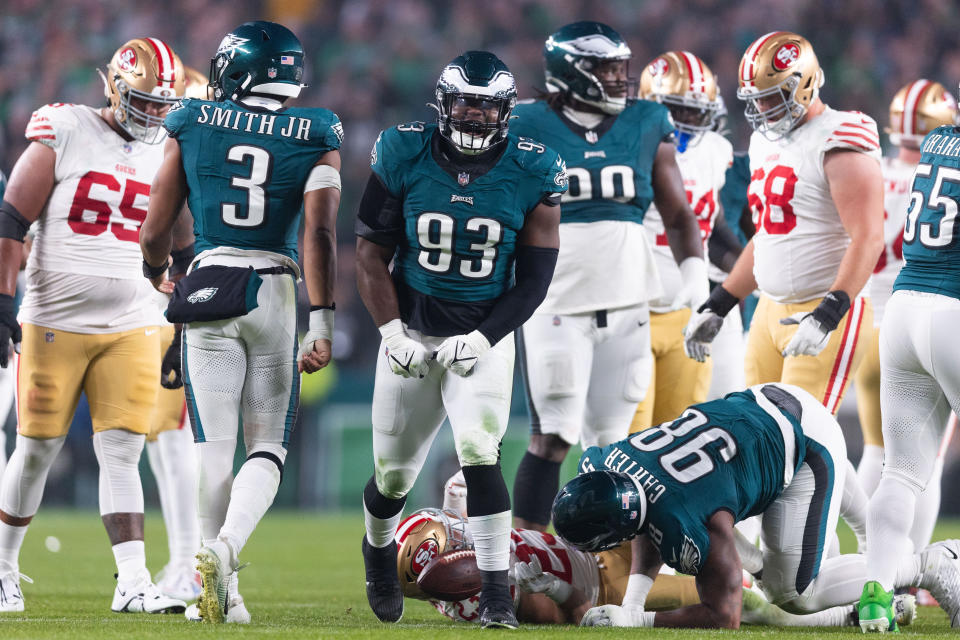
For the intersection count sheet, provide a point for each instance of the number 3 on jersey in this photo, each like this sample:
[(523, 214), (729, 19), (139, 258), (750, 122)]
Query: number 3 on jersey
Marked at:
[(261, 163), (769, 198), (436, 234)]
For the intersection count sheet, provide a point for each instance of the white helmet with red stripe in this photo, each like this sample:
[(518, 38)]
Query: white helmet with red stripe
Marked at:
[(917, 109), (141, 72), (687, 86), (422, 536), (778, 65)]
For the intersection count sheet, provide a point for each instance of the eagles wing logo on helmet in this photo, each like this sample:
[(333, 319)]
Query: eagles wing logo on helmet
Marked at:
[(231, 43)]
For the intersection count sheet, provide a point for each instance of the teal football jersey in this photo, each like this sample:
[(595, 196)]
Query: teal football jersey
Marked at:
[(3, 184), (610, 167), (246, 169), (733, 195), (460, 233), (930, 247), (721, 455)]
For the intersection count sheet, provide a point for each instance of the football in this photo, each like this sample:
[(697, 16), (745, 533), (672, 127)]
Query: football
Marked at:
[(451, 576)]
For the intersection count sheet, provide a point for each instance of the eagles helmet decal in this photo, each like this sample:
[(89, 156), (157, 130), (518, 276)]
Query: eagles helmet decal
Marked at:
[(475, 95), (778, 64), (260, 57), (573, 52)]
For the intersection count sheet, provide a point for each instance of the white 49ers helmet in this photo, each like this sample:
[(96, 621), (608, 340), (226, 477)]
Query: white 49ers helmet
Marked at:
[(682, 82), (422, 536), (778, 65), (142, 71), (197, 86), (917, 109)]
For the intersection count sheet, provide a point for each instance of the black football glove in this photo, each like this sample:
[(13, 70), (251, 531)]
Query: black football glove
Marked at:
[(171, 376), (9, 329)]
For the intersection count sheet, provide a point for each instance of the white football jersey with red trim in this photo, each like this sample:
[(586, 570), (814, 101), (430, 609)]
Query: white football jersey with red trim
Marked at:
[(90, 228), (574, 567), (704, 171), (897, 180), (800, 240)]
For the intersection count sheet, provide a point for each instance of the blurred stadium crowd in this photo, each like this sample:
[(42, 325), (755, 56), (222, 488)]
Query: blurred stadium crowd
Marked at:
[(375, 63)]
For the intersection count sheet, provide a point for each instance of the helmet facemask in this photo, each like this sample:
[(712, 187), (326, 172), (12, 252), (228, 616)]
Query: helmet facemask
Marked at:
[(609, 97), (138, 123), (691, 119), (473, 123)]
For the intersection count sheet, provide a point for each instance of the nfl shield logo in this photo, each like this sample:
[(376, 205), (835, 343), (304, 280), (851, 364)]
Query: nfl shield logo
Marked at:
[(128, 148), (271, 73), (463, 179), (48, 336), (591, 137)]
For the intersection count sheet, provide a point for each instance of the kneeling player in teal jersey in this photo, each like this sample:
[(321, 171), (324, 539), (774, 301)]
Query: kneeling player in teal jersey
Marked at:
[(468, 214), (249, 166), (678, 489)]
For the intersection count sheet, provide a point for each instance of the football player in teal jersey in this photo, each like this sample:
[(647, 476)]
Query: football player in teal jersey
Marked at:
[(468, 215), (585, 353), (919, 371), (678, 489), (248, 165)]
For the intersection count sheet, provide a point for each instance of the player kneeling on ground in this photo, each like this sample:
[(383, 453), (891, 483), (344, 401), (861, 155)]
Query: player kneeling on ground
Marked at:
[(679, 488)]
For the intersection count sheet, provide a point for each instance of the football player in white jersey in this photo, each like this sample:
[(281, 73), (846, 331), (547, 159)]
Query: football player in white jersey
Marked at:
[(88, 321), (917, 109), (681, 81), (817, 199)]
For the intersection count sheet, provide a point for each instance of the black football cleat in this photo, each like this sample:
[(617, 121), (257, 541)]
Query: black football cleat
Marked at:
[(497, 612), (383, 585)]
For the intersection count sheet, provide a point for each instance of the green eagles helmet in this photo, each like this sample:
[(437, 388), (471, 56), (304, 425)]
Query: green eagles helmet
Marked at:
[(572, 53), (257, 58), (475, 95), (598, 510)]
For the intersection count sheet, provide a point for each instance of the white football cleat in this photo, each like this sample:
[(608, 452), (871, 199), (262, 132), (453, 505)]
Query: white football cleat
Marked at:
[(941, 576), (215, 566), (11, 598), (142, 596), (236, 610), (181, 582)]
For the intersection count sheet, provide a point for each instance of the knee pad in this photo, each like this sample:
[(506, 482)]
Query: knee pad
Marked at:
[(118, 454), (395, 483), (638, 380), (479, 446), (556, 371), (27, 468)]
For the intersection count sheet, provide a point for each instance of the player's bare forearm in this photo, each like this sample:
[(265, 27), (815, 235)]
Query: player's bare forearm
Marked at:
[(719, 584), (31, 182), (320, 244), (682, 229), (575, 606), (167, 195), (374, 282), (645, 557), (740, 282), (856, 186), (183, 230)]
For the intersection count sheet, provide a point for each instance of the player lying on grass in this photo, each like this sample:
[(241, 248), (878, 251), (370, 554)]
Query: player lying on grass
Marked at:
[(678, 489), (553, 583)]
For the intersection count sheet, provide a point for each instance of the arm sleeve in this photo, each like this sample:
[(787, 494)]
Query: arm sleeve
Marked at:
[(380, 218), (534, 270)]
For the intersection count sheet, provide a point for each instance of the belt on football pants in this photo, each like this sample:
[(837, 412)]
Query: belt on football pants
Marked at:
[(277, 271)]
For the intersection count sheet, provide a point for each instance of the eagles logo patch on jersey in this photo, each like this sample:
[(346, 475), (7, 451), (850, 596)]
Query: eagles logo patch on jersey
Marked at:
[(689, 561)]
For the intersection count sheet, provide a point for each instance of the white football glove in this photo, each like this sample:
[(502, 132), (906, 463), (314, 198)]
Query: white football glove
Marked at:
[(460, 353), (320, 328), (531, 578), (700, 331), (809, 340), (455, 494), (407, 357), (695, 287), (611, 615)]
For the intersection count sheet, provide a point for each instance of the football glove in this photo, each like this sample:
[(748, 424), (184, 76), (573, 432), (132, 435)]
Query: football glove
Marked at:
[(705, 324), (407, 357), (9, 328), (695, 287), (320, 331), (814, 328), (531, 578), (171, 376), (611, 615), (455, 494), (460, 353)]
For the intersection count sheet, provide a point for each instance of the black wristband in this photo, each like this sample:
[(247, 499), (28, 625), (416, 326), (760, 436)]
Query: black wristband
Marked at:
[(316, 307), (152, 272), (831, 309), (720, 302), (181, 259)]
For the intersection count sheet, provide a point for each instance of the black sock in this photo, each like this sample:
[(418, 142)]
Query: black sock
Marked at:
[(378, 504), (535, 487), (494, 587)]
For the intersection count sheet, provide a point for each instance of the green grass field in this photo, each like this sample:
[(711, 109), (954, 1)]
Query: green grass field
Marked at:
[(305, 580)]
